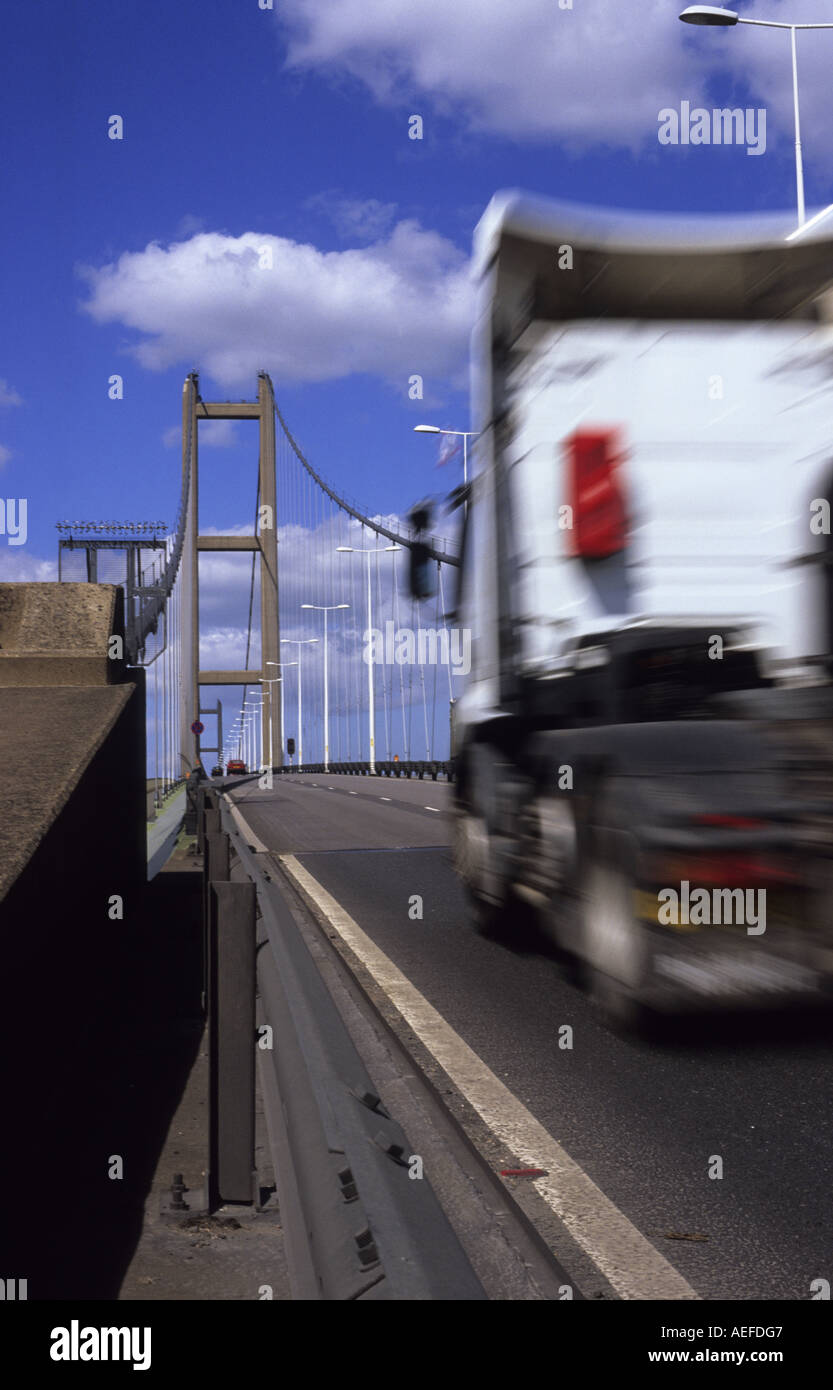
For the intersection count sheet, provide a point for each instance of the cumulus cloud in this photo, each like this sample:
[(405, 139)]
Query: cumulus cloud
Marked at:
[(5, 455), (17, 565), (224, 648), (8, 395), (595, 73), (241, 304)]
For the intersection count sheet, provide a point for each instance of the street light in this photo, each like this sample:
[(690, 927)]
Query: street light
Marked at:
[(465, 435), (325, 609), (300, 642), (368, 553), (714, 15), (252, 706), (280, 664), (235, 735), (275, 680)]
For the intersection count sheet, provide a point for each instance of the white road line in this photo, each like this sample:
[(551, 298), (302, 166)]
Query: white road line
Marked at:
[(432, 808), (354, 793), (633, 1266), (248, 835), (384, 798)]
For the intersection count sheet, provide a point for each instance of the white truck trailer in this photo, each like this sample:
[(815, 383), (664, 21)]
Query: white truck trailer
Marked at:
[(643, 746)]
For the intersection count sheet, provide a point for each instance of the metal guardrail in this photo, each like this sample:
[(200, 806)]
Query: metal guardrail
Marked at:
[(357, 1224), (410, 768)]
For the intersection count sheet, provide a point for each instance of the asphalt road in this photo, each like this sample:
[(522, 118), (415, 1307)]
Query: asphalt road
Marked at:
[(645, 1120)]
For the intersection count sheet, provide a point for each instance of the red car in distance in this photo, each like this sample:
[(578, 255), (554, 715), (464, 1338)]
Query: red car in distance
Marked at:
[(233, 766)]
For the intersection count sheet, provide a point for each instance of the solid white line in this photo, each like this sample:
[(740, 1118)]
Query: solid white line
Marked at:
[(633, 1266), (248, 834), (432, 808), (384, 798)]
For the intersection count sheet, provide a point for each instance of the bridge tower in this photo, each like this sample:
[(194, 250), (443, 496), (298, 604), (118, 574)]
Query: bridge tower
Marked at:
[(264, 542)]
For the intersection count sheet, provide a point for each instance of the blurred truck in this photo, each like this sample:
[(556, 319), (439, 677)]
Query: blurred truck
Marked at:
[(643, 746)]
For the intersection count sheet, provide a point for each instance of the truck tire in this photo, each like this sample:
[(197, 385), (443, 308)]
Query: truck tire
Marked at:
[(612, 941), (497, 912)]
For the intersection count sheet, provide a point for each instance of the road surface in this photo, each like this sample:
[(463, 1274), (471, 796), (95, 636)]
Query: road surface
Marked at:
[(645, 1121)]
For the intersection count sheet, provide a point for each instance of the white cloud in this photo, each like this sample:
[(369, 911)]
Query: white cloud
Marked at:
[(8, 395), (17, 566), (598, 72), (213, 434), (399, 306), (224, 649), (5, 455)]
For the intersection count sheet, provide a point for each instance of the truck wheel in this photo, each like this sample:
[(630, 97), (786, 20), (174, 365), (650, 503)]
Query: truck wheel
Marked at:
[(612, 943), (497, 912)]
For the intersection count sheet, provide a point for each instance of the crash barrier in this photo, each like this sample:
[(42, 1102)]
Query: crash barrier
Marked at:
[(421, 770), (361, 1220), (229, 1001)]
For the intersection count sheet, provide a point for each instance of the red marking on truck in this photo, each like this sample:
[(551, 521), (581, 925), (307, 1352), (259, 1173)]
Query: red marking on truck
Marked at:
[(599, 520)]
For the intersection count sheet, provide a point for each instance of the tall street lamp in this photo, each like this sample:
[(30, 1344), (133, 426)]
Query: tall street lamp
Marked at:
[(300, 642), (714, 15), (252, 706), (325, 609), (280, 665), (276, 680), (348, 549), (465, 435)]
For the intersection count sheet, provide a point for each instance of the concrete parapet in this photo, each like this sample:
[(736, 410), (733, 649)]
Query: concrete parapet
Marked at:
[(59, 634)]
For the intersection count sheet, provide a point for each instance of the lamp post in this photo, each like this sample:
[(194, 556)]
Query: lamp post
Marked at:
[(348, 549), (276, 680), (251, 706), (234, 736), (280, 665), (325, 609), (716, 16), (465, 435), (300, 642)]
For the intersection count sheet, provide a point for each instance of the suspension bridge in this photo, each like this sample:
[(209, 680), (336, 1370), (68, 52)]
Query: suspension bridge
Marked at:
[(313, 677)]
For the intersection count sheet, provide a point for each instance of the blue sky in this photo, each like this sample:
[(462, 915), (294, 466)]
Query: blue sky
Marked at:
[(289, 127)]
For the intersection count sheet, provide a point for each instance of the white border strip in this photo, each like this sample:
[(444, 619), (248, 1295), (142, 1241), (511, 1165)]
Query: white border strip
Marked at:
[(635, 1269)]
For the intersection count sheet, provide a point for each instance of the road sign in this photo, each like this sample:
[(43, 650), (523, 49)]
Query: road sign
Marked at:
[(197, 727)]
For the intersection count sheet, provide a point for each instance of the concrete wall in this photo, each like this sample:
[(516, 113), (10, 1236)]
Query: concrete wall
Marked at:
[(72, 805)]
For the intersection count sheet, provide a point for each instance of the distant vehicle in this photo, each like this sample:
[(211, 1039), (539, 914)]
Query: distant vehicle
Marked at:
[(217, 770), (645, 572), (235, 766)]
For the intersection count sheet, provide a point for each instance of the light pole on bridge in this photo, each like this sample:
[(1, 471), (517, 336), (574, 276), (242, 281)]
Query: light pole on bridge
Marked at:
[(714, 16), (348, 549), (325, 609), (276, 680), (280, 665), (252, 706), (300, 642)]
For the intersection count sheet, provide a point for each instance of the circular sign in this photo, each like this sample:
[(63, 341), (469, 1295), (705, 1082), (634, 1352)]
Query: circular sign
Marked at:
[(197, 727)]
